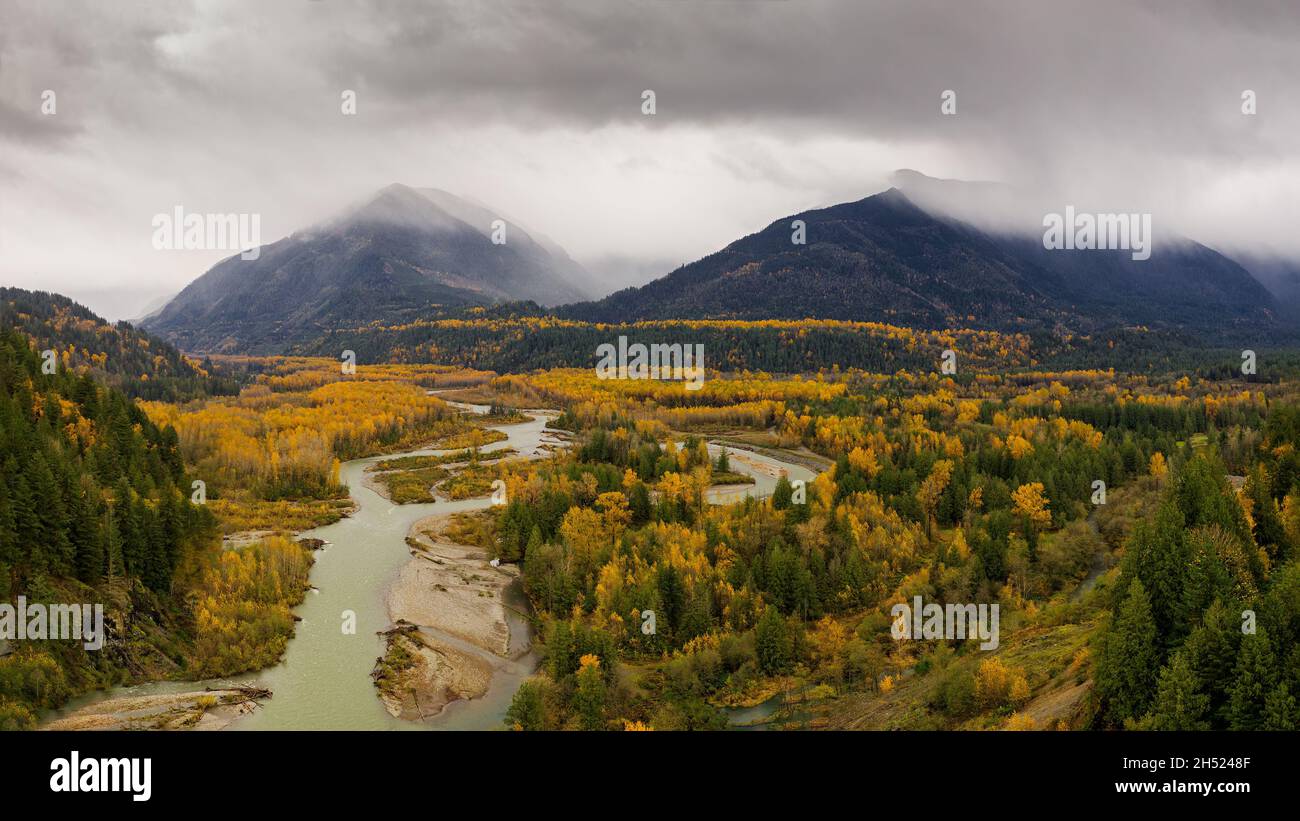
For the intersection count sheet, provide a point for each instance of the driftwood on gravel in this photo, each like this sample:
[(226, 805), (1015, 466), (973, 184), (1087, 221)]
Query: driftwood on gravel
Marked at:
[(248, 693)]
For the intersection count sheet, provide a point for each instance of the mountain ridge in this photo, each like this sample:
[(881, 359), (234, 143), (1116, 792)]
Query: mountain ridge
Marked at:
[(885, 258), (410, 253)]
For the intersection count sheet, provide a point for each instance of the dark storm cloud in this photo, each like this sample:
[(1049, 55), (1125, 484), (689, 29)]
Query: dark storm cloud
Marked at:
[(1026, 73), (763, 108)]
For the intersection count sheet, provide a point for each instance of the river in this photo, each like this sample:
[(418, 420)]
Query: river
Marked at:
[(323, 681), (764, 469)]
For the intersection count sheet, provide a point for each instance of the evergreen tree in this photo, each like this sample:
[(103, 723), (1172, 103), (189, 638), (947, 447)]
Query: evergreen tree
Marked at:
[(86, 537), (589, 694), (528, 709), (1254, 678), (1212, 653), (782, 494), (773, 643), (1129, 660), (112, 544), (1280, 711), (1158, 556), (672, 600), (1179, 705), (639, 503)]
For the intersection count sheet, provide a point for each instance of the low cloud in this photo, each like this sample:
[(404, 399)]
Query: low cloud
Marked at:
[(763, 109)]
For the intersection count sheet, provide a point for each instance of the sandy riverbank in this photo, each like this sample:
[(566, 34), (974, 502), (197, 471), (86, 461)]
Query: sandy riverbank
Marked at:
[(370, 481), (754, 464), (451, 630), (196, 710), (421, 674), (452, 588)]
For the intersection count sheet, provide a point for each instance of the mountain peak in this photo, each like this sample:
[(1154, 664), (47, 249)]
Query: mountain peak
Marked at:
[(390, 259)]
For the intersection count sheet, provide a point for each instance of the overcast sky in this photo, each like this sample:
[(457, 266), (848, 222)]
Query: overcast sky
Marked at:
[(764, 108)]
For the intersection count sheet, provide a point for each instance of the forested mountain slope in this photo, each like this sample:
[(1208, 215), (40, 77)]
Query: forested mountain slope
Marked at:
[(885, 259), (91, 511), (126, 357)]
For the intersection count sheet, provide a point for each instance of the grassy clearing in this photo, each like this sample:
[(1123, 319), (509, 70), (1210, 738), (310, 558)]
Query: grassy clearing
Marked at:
[(730, 477), (411, 486), (432, 460), (475, 438)]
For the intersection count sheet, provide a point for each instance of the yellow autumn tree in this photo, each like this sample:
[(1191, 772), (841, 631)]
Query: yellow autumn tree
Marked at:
[(615, 511), (1019, 722), (827, 642), (864, 461), (1291, 516), (583, 532), (1019, 446), (1031, 503), (997, 685), (959, 545), (931, 490), (1158, 468)]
